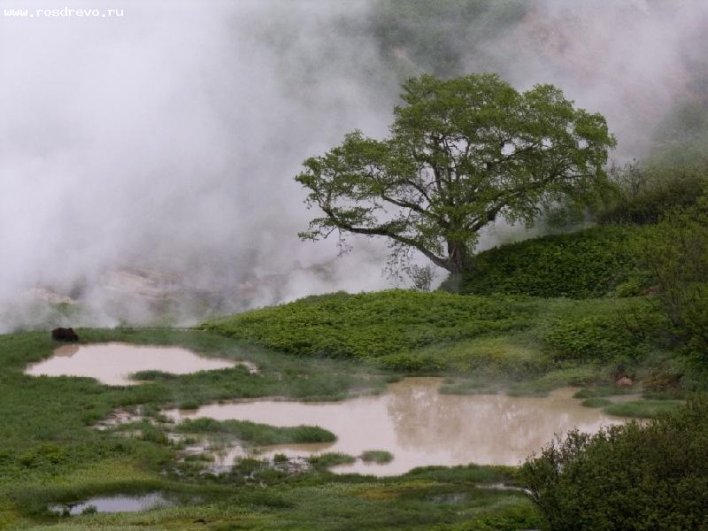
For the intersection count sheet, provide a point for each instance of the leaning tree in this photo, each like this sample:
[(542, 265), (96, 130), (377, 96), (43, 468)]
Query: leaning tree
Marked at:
[(462, 153)]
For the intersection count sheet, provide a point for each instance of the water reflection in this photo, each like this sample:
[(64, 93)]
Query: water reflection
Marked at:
[(112, 363), (421, 427)]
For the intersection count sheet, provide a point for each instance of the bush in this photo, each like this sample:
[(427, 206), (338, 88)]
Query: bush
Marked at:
[(590, 263), (676, 253), (620, 330), (629, 477), (647, 195)]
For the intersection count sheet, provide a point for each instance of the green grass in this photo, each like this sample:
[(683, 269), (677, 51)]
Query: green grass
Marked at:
[(379, 457), (643, 408), (330, 459), (257, 434), (602, 391), (596, 402), (534, 345), (51, 453), (372, 325)]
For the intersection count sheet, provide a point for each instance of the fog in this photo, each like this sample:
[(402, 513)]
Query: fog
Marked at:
[(147, 160)]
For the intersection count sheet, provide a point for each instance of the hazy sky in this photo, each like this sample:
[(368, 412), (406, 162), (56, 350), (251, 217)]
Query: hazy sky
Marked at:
[(168, 138)]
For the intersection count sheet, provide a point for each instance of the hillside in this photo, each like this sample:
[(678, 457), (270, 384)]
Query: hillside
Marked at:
[(331, 347), (591, 263)]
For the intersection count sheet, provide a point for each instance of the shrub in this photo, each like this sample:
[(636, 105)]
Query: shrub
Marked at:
[(629, 477), (620, 330), (647, 195), (676, 253), (590, 263)]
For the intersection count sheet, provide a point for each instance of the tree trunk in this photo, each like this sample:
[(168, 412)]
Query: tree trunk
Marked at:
[(459, 258)]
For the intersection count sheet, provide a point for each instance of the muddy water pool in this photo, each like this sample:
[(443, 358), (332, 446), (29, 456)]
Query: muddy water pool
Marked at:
[(420, 426), (114, 504), (113, 363)]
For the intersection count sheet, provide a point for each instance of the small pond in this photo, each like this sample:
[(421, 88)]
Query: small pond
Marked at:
[(420, 426), (114, 504), (113, 363)]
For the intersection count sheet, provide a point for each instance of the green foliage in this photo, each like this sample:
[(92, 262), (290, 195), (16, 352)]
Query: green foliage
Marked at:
[(330, 459), (643, 408), (462, 153), (596, 402), (373, 325), (589, 263), (602, 391), (493, 338), (493, 358), (153, 434), (615, 329), (471, 473), (259, 434), (676, 253), (377, 456), (154, 375), (645, 195), (629, 477)]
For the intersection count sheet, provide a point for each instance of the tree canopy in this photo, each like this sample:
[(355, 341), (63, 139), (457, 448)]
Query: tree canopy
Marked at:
[(462, 153)]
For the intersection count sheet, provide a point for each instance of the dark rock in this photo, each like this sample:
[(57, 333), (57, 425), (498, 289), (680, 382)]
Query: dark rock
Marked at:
[(64, 334)]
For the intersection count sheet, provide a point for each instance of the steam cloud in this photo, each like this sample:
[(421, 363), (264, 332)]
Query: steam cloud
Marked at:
[(147, 161)]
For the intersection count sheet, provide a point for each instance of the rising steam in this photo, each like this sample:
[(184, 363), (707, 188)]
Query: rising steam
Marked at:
[(147, 161)]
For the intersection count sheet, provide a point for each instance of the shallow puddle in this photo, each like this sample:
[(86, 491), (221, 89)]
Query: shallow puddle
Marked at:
[(421, 427), (114, 504), (113, 363)]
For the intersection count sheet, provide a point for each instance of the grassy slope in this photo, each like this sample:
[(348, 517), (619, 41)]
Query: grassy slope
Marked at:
[(502, 337), (590, 263), (566, 309)]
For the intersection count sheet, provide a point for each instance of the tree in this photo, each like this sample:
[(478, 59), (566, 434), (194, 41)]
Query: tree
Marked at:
[(462, 153)]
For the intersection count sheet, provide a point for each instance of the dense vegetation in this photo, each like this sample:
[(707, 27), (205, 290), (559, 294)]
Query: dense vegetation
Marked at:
[(373, 325), (442, 331), (590, 263), (629, 477), (646, 195), (675, 251)]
